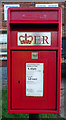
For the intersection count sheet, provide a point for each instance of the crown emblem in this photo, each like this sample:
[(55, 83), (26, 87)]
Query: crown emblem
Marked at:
[(25, 41)]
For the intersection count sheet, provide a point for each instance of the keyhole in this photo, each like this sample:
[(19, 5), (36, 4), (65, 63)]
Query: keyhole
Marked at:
[(19, 81)]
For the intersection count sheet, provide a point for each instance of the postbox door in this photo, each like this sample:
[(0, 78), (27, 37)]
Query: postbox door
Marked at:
[(33, 80)]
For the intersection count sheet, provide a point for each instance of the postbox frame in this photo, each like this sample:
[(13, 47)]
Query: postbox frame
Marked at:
[(9, 49)]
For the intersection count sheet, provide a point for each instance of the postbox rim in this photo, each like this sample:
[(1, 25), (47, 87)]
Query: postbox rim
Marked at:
[(34, 8), (12, 49)]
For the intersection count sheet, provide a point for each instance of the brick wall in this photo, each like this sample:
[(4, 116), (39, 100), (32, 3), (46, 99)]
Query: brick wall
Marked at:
[(3, 63), (62, 6), (0, 15), (65, 19)]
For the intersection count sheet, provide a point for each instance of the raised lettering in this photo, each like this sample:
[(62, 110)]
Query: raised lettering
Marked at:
[(45, 39), (37, 40)]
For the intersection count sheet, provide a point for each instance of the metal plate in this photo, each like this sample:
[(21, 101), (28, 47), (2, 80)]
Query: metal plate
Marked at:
[(34, 38), (34, 55)]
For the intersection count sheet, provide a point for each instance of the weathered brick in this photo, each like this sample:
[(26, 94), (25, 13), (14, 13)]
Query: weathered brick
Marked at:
[(3, 63), (0, 15)]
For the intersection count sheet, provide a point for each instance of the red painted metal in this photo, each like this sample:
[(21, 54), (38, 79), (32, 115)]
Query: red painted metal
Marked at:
[(32, 20)]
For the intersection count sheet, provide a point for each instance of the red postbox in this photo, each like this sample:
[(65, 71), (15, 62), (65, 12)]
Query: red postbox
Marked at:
[(34, 60)]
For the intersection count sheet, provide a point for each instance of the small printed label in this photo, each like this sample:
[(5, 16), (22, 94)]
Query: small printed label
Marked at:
[(34, 79), (34, 55), (34, 38)]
